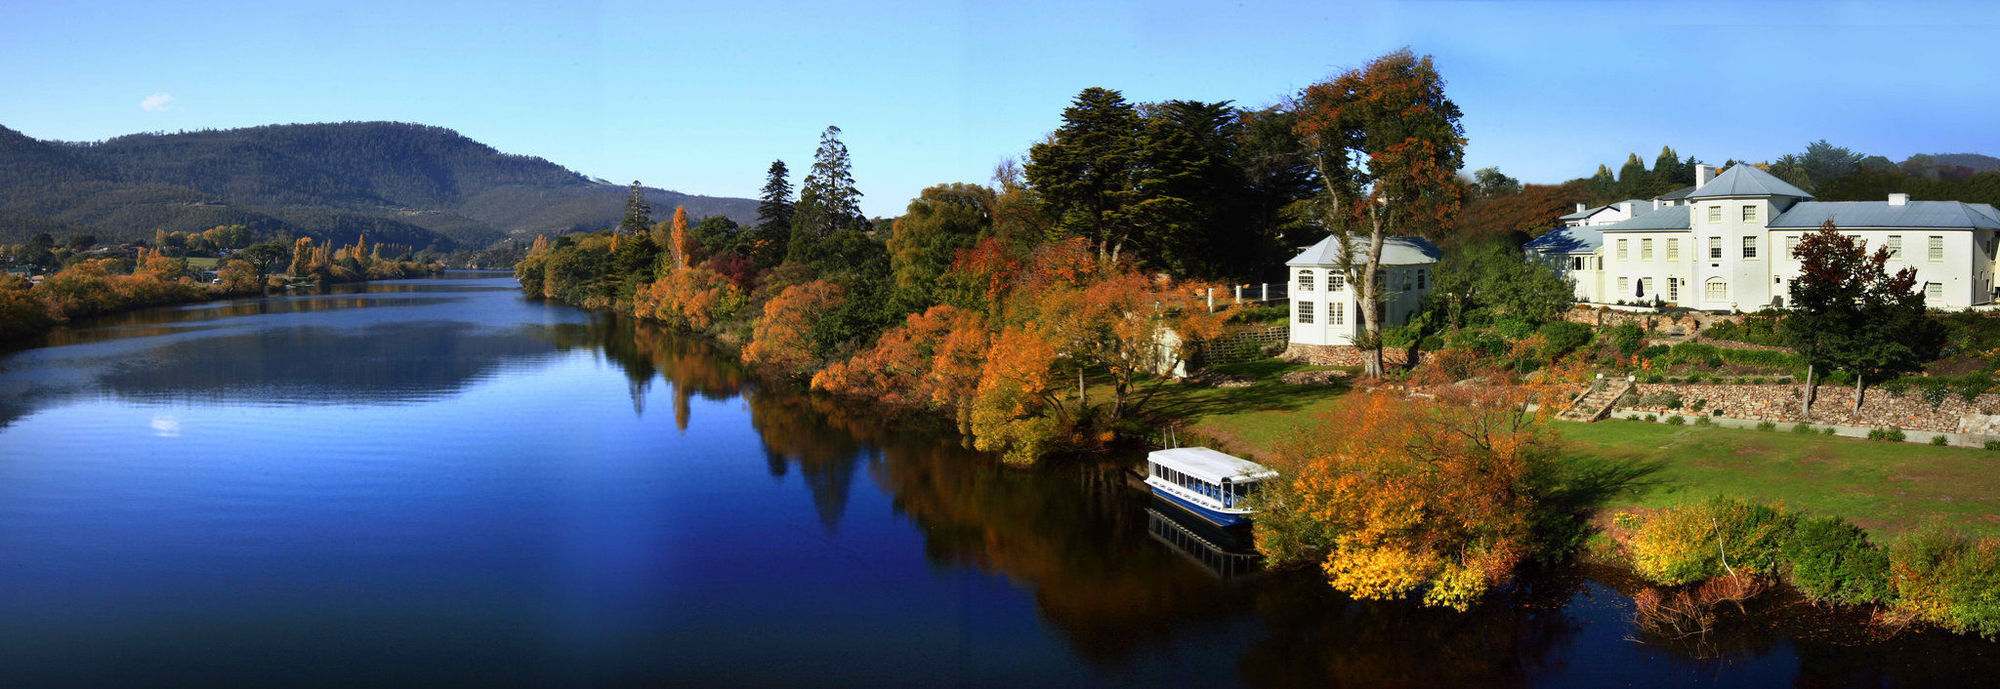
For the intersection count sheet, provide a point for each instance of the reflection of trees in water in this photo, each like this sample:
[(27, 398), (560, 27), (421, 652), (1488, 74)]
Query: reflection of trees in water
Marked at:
[(817, 435), (1315, 637), (644, 351), (1073, 534)]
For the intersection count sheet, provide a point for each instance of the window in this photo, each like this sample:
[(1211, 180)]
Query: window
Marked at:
[(1406, 279), (1750, 213), (1621, 248), (1422, 274), (1336, 313), (1645, 249), (1791, 245), (1934, 294), (1714, 214), (1304, 311), (1335, 282), (1937, 248), (1673, 289), (1624, 284), (1718, 290), (1576, 263), (1305, 281), (1749, 247), (1715, 247), (1673, 249), (1896, 246)]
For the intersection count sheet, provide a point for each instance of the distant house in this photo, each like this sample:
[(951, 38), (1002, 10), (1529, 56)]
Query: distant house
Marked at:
[(1726, 244), (1326, 310)]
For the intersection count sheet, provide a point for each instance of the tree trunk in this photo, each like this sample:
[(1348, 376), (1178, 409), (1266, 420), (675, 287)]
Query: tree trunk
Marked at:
[(1857, 393), (1371, 295), (1805, 410), (1082, 395)]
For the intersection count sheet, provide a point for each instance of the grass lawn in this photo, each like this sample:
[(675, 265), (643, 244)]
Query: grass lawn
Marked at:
[(1249, 421), (1887, 488), (203, 263)]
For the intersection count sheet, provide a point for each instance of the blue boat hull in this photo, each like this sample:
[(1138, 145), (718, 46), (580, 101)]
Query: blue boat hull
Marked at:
[(1212, 516)]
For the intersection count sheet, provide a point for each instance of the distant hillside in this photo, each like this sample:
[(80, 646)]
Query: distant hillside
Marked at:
[(1974, 162), (399, 183)]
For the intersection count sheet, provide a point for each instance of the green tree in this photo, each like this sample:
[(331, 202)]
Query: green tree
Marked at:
[(1632, 176), (1387, 144), (1492, 279), (1085, 172), (828, 200), (638, 213), (774, 217), (1489, 182), (1190, 191), (939, 222), (1824, 162)]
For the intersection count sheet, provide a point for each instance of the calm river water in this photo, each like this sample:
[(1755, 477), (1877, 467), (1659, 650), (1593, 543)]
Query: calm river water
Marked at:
[(438, 483)]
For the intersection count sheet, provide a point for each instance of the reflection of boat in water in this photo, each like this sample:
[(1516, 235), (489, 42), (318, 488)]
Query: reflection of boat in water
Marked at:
[(1211, 485), (1223, 552)]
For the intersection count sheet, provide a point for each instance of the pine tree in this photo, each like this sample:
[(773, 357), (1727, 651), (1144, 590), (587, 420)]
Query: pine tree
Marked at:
[(1086, 170), (774, 217), (638, 213), (828, 200)]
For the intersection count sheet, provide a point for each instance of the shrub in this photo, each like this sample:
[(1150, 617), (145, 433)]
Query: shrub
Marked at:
[(1703, 421), (1993, 445), (1652, 417), (1628, 338), (1826, 431), (1804, 429), (1766, 426), (1939, 440), (1562, 337), (1515, 328), (1971, 385), (1654, 351), (1698, 404), (1632, 417), (1936, 392), (1890, 434), (1688, 543), (1944, 579), (1832, 561), (1676, 420)]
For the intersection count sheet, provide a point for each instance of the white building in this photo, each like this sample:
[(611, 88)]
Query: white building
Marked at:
[(1726, 243), (1326, 310)]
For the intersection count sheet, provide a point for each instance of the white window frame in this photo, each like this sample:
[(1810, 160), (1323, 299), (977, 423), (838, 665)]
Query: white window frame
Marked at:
[(1895, 245), (1937, 248), (1934, 294), (1673, 249), (1302, 311), (1305, 280), (1750, 247), (1622, 246), (1715, 248), (1624, 286), (1715, 214), (1336, 313), (1646, 249), (1335, 281), (1716, 289), (1750, 213)]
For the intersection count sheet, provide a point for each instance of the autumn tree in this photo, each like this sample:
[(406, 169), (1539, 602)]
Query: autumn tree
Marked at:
[(784, 339), (1387, 145), (1848, 312), (1397, 497), (678, 242)]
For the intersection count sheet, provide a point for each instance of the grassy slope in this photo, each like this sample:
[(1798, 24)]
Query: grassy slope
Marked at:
[(1887, 488)]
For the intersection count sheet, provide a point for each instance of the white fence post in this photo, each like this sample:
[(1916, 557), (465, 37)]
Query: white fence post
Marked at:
[(1263, 291), (1239, 292), (1211, 300)]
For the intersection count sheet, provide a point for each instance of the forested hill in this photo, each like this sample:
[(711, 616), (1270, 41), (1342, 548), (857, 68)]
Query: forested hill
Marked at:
[(422, 186)]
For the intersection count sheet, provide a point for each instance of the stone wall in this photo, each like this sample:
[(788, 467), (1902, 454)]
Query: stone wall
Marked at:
[(1688, 321), (1339, 355), (1780, 403)]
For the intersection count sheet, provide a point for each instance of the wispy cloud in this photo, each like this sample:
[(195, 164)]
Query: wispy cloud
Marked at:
[(157, 102)]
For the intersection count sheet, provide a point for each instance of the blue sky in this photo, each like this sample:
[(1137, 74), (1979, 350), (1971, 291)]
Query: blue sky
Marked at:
[(701, 97)]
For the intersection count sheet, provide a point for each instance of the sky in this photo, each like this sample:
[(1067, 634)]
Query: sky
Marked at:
[(701, 97)]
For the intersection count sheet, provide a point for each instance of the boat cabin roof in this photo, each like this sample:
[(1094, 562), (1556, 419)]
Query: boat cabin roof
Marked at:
[(1211, 466)]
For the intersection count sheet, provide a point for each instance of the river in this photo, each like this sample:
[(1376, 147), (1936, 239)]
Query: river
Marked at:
[(439, 483)]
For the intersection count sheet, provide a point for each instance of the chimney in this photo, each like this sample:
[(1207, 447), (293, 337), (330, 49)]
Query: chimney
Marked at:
[(1579, 207), (1702, 173), (1629, 210), (1899, 199), (1656, 203)]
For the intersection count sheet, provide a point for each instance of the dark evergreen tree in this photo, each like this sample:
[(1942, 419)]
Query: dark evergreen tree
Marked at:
[(774, 216), (1085, 171), (1191, 191), (828, 200), (1632, 176), (638, 213)]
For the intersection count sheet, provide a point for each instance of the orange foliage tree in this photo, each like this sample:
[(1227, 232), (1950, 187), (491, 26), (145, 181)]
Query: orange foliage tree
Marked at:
[(689, 298), (1396, 496), (783, 340)]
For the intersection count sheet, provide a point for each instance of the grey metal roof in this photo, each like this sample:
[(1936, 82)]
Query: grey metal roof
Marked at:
[(1746, 180), (1568, 240), (1668, 218), (1915, 214), (1579, 215), (1677, 194), (1396, 251)]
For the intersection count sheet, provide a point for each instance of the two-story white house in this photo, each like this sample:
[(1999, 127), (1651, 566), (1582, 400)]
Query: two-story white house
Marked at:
[(1326, 310), (1726, 244)]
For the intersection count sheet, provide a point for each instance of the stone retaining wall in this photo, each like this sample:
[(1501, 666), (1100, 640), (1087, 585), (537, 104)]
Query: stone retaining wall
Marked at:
[(1780, 403), (1339, 355), (1689, 322)]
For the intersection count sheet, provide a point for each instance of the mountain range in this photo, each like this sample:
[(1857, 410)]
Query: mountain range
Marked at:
[(400, 183)]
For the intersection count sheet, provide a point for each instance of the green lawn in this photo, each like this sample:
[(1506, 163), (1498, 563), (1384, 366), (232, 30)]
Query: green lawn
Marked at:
[(1886, 488), (202, 262)]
